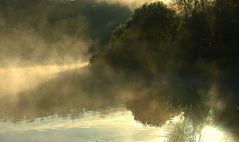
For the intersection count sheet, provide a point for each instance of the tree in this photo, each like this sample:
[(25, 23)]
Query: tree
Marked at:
[(189, 6), (144, 41)]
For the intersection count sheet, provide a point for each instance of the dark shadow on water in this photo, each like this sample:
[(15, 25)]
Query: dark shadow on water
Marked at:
[(150, 103)]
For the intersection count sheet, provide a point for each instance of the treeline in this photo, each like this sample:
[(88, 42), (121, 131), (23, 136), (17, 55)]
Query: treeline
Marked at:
[(190, 33), (181, 52)]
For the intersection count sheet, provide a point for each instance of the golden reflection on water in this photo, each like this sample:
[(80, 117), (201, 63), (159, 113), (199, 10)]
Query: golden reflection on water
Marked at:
[(115, 125), (90, 119), (17, 79), (215, 134), (119, 121), (210, 133)]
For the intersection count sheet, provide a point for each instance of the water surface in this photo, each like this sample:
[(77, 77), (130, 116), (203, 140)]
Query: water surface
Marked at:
[(59, 103)]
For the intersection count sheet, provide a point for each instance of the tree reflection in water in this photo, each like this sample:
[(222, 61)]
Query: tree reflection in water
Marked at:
[(77, 90)]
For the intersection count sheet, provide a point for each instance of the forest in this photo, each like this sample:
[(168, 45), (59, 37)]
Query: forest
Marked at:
[(185, 53)]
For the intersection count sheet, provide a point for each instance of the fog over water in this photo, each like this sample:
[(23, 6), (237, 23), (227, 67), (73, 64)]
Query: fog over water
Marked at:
[(17, 79), (94, 71)]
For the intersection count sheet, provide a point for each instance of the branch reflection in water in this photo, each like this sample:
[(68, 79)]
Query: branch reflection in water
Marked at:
[(83, 107)]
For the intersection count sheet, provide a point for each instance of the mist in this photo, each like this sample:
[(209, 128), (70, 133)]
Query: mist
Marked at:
[(41, 38), (132, 4), (154, 59), (48, 32)]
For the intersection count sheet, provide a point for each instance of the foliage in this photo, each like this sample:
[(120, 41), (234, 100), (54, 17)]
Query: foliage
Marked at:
[(139, 44), (192, 50)]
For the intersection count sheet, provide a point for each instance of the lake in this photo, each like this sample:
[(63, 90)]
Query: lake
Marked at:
[(55, 103)]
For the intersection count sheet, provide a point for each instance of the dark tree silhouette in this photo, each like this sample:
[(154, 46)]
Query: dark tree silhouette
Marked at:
[(192, 50)]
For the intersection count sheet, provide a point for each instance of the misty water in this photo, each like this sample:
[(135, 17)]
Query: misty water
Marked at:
[(52, 106), (119, 71)]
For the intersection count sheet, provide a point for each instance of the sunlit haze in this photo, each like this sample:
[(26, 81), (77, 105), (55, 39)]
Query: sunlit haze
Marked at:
[(132, 3), (17, 79), (119, 71)]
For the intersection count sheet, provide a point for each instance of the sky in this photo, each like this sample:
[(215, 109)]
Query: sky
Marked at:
[(49, 31), (131, 3)]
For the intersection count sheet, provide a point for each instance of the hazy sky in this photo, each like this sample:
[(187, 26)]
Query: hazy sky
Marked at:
[(49, 32), (131, 3)]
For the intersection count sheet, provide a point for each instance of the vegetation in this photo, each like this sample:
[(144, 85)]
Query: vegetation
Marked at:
[(192, 46), (163, 59)]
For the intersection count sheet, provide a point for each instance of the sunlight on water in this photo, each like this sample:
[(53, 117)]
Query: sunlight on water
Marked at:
[(210, 134), (116, 125), (214, 134), (17, 79), (88, 119), (113, 125)]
